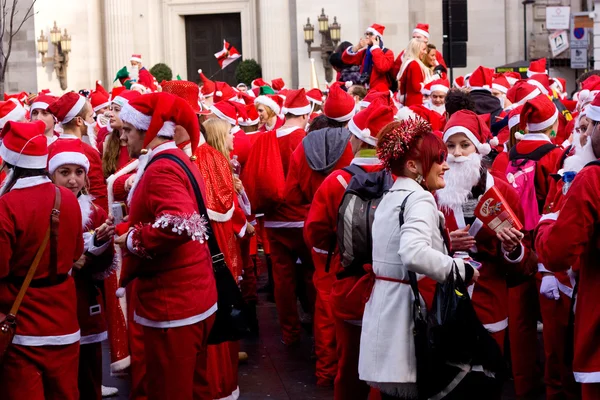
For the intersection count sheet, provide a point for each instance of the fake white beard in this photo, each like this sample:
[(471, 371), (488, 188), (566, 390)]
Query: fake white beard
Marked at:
[(464, 173), (144, 158), (134, 73), (91, 134), (6, 181), (439, 109), (583, 155), (85, 204)]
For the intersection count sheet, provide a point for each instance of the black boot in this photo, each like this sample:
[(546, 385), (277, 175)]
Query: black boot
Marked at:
[(252, 319), (269, 288)]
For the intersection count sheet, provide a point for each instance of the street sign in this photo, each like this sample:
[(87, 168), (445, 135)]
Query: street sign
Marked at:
[(559, 42), (581, 23), (557, 18), (579, 59)]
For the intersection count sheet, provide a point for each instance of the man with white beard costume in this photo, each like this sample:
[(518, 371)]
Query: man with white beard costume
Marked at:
[(466, 137)]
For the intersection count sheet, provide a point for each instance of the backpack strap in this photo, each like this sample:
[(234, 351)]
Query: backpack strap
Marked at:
[(535, 155), (595, 162), (354, 169)]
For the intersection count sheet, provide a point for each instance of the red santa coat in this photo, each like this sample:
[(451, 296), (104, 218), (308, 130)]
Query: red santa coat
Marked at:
[(490, 293), (241, 145), (99, 260), (383, 62), (176, 286), (48, 314), (559, 251), (278, 124), (398, 63), (287, 215), (411, 83), (95, 174)]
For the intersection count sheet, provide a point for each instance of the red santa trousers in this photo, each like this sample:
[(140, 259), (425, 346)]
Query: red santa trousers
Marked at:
[(590, 391), (136, 349), (40, 373), (176, 361), (324, 324), (347, 384), (248, 284), (523, 310), (90, 371), (287, 246), (222, 370), (559, 379)]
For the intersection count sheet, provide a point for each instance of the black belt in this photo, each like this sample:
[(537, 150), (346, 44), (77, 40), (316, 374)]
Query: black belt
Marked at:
[(36, 283)]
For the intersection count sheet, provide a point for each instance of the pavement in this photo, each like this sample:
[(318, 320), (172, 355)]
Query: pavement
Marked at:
[(273, 371)]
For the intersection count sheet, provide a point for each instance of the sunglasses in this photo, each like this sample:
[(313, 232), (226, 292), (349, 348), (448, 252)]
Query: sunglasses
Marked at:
[(368, 34), (442, 156)]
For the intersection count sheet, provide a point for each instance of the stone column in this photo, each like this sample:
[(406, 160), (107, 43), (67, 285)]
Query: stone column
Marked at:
[(596, 34), (274, 40), (118, 36)]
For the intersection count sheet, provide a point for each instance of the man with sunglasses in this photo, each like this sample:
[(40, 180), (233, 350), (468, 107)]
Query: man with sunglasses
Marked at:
[(375, 60)]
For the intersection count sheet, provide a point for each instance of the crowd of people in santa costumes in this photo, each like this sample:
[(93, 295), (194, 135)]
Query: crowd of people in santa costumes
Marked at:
[(155, 184)]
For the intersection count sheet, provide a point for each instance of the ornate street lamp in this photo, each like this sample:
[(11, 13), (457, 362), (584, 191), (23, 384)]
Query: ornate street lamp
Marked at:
[(61, 42), (330, 37)]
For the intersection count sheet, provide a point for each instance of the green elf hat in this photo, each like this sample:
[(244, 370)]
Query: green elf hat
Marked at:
[(122, 74), (266, 90), (179, 77)]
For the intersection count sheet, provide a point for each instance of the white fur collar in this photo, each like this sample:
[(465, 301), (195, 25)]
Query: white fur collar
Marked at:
[(87, 207), (31, 181), (144, 159)]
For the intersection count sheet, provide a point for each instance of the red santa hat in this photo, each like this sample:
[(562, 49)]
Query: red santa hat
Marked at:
[(274, 102), (296, 103), (258, 83), (67, 107), (42, 102), (514, 117), (538, 114), (481, 79), (64, 152), (426, 89), (559, 84), (339, 105), (540, 81), (223, 92), (419, 111), (459, 82), (592, 83), (373, 96), (208, 86), (592, 111), (278, 84), (100, 89), (376, 30), (440, 85), (186, 90), (422, 29), (537, 67), (367, 124), (473, 127), (136, 57), (252, 116), (500, 83), (158, 114), (99, 100), (122, 96), (230, 111), (11, 111), (315, 96), (24, 144), (522, 92), (512, 77)]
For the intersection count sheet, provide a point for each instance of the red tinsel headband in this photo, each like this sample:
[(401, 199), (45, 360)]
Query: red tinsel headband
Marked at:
[(397, 139)]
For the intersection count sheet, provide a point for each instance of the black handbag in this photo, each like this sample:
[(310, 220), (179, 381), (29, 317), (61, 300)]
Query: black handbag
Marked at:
[(231, 322)]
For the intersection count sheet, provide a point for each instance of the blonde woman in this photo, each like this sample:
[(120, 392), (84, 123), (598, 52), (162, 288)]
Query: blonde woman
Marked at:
[(413, 74)]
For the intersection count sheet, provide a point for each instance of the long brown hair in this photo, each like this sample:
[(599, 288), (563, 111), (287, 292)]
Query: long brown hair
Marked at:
[(110, 156)]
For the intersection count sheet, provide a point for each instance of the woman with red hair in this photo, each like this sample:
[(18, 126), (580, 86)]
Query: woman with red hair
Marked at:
[(417, 157)]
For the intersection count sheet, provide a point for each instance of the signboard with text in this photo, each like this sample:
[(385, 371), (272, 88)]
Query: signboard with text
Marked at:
[(579, 59), (559, 42), (581, 24), (558, 18)]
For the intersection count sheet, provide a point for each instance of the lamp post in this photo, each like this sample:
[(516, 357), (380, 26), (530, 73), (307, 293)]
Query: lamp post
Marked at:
[(525, 3), (61, 43), (330, 37)]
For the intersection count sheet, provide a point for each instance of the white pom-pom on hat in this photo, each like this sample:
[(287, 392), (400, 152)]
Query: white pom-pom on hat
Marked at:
[(519, 136), (494, 141), (484, 149), (200, 71), (120, 292), (219, 93), (348, 84), (99, 82)]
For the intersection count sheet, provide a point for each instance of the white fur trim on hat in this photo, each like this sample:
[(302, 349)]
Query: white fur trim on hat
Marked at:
[(374, 32), (39, 105), (76, 109), (23, 160), (167, 130), (439, 88), (535, 93), (405, 113), (344, 118), (531, 73), (16, 114), (222, 116), (482, 148), (298, 110), (592, 112), (266, 101), (68, 157), (514, 121), (422, 32), (499, 88), (362, 134), (538, 85), (138, 59), (101, 106), (484, 87), (134, 117), (540, 126)]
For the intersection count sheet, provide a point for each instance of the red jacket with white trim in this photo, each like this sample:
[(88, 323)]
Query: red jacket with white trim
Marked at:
[(383, 62), (48, 314)]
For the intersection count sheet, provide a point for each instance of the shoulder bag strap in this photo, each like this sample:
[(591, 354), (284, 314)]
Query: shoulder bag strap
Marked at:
[(54, 216), (412, 277), (213, 246)]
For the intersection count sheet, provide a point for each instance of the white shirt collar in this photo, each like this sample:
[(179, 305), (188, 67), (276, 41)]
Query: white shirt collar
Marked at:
[(537, 136), (67, 136), (281, 132), (165, 146), (365, 161), (31, 181)]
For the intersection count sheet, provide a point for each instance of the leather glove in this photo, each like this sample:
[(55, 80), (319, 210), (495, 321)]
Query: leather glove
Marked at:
[(549, 287)]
